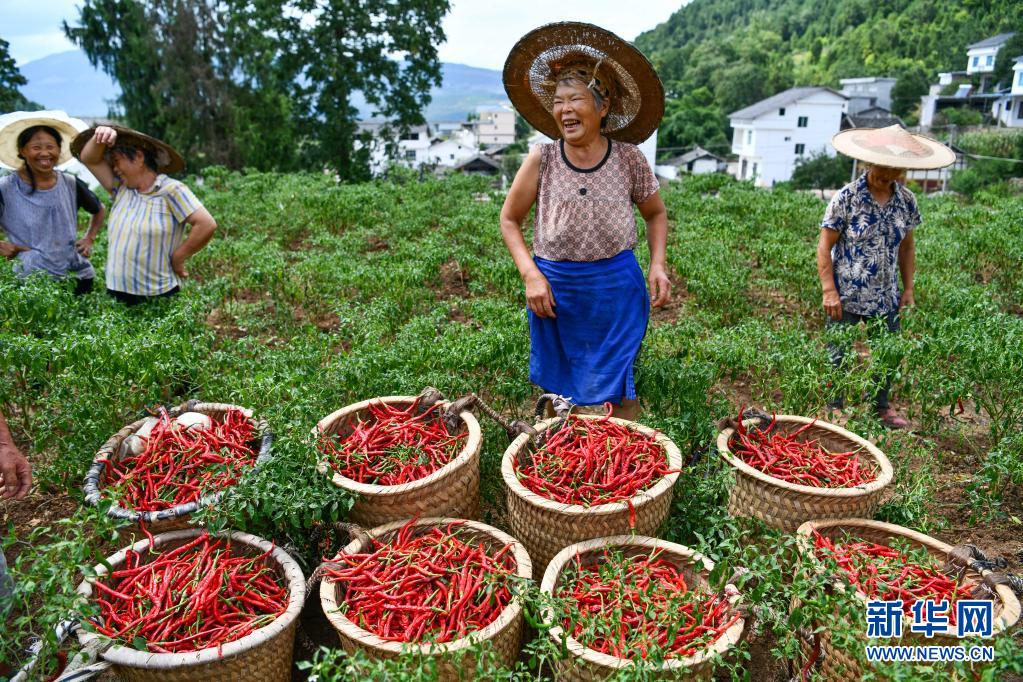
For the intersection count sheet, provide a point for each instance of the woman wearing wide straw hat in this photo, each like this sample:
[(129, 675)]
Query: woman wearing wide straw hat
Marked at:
[(148, 244), (866, 240), (597, 97), (39, 204)]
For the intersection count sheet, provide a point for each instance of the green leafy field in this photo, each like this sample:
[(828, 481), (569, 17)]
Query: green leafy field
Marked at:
[(313, 296)]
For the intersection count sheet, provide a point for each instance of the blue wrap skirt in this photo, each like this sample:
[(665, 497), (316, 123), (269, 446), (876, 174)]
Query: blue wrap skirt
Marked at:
[(588, 351)]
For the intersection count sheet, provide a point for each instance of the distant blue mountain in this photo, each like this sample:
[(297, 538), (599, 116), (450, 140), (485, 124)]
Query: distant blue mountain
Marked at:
[(68, 81)]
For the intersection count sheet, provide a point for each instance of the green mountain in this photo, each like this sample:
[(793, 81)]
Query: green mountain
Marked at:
[(717, 56)]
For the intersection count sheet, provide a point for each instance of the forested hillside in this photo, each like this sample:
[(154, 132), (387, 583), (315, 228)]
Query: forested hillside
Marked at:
[(716, 56)]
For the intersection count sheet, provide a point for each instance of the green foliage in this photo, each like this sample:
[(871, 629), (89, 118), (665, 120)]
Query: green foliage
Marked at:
[(962, 116), (1005, 59), (264, 84), (315, 294), (745, 50), (11, 80), (821, 171)]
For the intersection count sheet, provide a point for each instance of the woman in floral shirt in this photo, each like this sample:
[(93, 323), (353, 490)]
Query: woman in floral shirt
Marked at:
[(866, 241)]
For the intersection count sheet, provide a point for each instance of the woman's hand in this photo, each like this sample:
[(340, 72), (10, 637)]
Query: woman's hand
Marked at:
[(178, 259), (539, 296), (660, 286), (84, 246), (105, 135), (906, 300), (833, 304), (9, 250)]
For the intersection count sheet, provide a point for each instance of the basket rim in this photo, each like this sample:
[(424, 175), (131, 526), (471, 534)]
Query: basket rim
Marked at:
[(730, 637), (341, 623), (1010, 604), (469, 450), (883, 479), (129, 657), (94, 492), (643, 497)]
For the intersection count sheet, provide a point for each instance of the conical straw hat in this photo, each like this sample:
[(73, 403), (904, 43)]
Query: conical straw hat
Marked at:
[(623, 73), (167, 158), (11, 125), (894, 147)]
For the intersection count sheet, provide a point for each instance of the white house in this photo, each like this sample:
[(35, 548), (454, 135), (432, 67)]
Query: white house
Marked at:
[(1008, 109), (495, 125), (980, 57), (411, 147), (868, 92), (448, 153), (696, 161), (772, 135)]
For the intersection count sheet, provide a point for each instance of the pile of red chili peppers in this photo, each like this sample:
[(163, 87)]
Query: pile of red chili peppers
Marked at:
[(885, 573), (396, 446), (628, 607), (180, 465), (424, 587), (803, 462), (193, 597), (593, 461)]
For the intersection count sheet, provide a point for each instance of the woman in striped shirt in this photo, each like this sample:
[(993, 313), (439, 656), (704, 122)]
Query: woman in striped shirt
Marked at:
[(149, 243)]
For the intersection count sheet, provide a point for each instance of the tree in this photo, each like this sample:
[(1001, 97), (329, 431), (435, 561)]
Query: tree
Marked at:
[(909, 87), (820, 171), (323, 52), (1013, 48), (11, 80)]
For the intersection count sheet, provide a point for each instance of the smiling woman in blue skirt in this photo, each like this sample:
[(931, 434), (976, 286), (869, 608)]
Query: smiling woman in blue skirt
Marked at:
[(596, 96)]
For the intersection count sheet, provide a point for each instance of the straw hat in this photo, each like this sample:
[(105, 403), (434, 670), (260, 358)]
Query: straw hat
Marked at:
[(12, 125), (167, 158), (615, 67), (894, 147)]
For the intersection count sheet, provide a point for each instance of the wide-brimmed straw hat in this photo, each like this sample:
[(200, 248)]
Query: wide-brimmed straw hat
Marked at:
[(614, 66), (12, 125), (894, 147), (167, 158)]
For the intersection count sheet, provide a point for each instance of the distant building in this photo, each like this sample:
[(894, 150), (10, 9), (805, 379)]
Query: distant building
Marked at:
[(696, 161), (770, 136), (868, 92), (980, 57), (1007, 110), (448, 153), (495, 125), (874, 117), (482, 165), (411, 148)]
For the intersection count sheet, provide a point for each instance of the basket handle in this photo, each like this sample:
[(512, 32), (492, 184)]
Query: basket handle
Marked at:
[(816, 658), (748, 413), (470, 401), (992, 571), (85, 664)]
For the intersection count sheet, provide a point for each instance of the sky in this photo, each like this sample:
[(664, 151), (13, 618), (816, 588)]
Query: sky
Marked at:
[(479, 32)]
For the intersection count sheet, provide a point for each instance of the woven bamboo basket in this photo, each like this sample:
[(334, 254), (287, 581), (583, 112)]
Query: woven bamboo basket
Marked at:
[(785, 505), (546, 527), (837, 664), (178, 516), (451, 491), (585, 665), (454, 659), (264, 655)]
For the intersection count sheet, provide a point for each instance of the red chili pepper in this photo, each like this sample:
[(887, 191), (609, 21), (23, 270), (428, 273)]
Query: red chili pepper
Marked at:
[(798, 460), (178, 466), (594, 461), (198, 584), (430, 586), (892, 574), (629, 606), (397, 446)]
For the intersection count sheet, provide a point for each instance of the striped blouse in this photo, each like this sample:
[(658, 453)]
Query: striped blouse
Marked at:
[(144, 229)]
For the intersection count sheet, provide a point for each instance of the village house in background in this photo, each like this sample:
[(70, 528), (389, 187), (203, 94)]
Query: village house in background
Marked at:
[(495, 124), (871, 92), (696, 161), (772, 135), (955, 89)]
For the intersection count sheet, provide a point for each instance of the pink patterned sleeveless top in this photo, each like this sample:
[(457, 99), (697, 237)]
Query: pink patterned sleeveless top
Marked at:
[(587, 214)]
